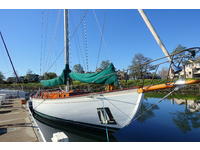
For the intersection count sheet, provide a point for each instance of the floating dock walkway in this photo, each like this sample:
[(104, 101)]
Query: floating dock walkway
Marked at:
[(17, 124)]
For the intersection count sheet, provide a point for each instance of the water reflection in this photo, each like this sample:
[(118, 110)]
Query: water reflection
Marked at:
[(75, 133), (190, 105), (189, 118), (144, 112)]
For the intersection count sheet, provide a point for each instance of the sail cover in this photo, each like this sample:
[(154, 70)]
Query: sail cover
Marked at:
[(58, 80), (106, 76)]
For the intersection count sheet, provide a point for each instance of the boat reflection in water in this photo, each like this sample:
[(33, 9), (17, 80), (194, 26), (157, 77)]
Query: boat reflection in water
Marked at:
[(75, 133), (170, 120)]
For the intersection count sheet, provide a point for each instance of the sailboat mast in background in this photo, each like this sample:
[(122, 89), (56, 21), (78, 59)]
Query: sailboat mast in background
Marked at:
[(66, 43)]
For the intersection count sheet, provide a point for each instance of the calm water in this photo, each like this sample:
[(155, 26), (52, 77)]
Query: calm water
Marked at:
[(170, 120)]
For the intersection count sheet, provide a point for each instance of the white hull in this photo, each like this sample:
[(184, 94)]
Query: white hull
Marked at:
[(122, 105)]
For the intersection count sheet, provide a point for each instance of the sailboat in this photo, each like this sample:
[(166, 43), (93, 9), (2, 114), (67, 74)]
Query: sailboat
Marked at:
[(111, 109)]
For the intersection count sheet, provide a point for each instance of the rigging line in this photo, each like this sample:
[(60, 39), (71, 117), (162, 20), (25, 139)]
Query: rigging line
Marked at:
[(77, 42), (52, 43), (81, 52), (49, 47), (59, 54), (154, 104), (99, 27), (108, 100), (82, 48), (100, 47), (77, 49), (45, 39), (84, 27), (77, 27), (39, 104), (171, 55), (41, 46)]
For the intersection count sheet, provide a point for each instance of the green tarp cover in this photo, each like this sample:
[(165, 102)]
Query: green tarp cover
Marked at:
[(58, 80), (106, 76)]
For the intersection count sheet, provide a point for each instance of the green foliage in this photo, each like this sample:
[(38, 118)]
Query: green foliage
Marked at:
[(137, 69), (2, 77), (49, 75), (78, 68), (185, 96), (30, 77), (11, 80), (104, 64)]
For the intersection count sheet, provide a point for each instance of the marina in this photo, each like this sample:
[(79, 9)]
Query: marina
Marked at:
[(172, 120), (127, 97)]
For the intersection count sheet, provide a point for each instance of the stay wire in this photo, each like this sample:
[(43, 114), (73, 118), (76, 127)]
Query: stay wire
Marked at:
[(77, 27), (53, 40), (41, 44), (99, 27), (85, 42), (45, 39), (100, 47), (149, 108), (54, 62)]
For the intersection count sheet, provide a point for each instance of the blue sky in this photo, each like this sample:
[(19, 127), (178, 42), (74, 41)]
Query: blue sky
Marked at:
[(35, 37)]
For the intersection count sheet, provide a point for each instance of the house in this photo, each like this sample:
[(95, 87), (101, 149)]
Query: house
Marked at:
[(191, 70)]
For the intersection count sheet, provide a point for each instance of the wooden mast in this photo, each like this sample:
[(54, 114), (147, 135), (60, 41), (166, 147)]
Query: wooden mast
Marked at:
[(66, 44)]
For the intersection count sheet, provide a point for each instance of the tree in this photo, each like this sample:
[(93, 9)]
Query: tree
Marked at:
[(137, 69), (49, 75), (78, 68), (104, 64), (11, 80), (163, 73), (31, 77), (2, 77)]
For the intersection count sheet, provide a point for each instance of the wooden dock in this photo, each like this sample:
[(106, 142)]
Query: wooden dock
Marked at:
[(16, 124)]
